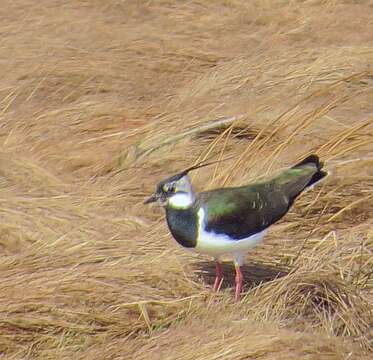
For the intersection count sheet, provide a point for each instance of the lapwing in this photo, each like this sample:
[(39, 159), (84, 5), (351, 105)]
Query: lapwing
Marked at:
[(233, 219)]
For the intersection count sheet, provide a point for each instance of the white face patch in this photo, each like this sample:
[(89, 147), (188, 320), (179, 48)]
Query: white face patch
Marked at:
[(181, 200)]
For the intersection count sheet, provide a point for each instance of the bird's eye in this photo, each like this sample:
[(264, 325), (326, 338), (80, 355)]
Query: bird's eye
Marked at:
[(169, 188)]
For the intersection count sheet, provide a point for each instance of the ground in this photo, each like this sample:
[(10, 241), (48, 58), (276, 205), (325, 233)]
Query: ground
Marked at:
[(100, 100)]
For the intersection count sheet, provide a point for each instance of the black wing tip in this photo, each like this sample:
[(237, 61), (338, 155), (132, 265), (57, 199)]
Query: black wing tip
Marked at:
[(321, 174), (311, 159)]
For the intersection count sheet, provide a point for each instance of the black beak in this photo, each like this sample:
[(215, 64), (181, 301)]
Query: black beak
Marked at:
[(151, 199)]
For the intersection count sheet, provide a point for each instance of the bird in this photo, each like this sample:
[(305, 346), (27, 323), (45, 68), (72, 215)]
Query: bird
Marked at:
[(231, 220)]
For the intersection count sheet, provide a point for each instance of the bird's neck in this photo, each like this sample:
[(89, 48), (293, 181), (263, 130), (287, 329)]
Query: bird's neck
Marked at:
[(183, 222), (181, 201)]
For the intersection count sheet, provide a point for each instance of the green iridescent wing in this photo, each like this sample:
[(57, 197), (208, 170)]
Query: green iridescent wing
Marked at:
[(244, 211)]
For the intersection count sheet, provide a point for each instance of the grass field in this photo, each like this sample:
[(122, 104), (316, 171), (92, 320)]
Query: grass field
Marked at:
[(100, 100)]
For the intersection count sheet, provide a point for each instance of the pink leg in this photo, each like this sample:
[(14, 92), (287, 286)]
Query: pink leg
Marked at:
[(239, 278), (218, 276)]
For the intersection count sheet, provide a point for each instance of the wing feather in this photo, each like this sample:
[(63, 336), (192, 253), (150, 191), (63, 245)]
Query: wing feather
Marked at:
[(243, 211)]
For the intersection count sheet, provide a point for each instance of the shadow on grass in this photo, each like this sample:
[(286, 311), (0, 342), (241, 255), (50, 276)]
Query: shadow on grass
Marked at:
[(254, 274)]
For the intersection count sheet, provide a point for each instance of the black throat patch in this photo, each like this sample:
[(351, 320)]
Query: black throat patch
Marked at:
[(183, 225)]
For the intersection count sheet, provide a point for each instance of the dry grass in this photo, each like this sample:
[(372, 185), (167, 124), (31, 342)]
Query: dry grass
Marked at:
[(101, 99)]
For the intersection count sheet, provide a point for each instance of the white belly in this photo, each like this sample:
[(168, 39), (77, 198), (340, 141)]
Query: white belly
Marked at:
[(218, 244)]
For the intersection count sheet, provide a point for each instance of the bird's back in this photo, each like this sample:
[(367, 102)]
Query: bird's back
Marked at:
[(243, 211)]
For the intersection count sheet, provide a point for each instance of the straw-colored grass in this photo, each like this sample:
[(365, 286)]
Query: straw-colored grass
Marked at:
[(99, 100)]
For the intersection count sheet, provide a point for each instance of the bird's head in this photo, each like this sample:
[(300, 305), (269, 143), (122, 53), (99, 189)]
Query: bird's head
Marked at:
[(175, 191)]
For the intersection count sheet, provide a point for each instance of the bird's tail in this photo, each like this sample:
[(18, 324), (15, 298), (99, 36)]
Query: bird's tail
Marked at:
[(300, 177), (318, 175)]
